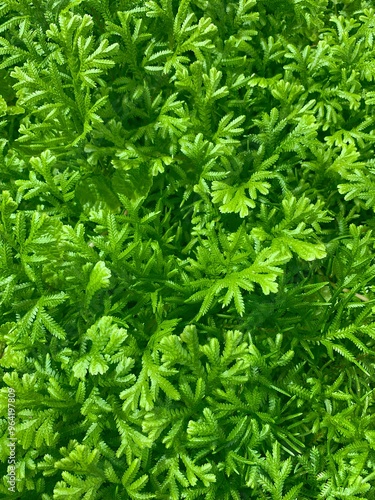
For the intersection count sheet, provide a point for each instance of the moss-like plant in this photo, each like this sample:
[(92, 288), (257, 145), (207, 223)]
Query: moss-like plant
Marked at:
[(187, 272)]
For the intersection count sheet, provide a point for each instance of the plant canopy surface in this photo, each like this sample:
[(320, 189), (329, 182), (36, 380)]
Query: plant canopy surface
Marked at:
[(187, 265)]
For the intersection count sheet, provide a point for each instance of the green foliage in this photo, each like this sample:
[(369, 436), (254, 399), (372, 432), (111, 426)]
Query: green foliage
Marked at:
[(187, 275)]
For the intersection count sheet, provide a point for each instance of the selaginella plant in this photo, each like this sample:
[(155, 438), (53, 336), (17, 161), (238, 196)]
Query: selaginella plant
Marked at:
[(187, 273)]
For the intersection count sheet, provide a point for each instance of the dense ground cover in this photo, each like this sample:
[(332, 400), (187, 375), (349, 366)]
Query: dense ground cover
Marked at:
[(187, 249)]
